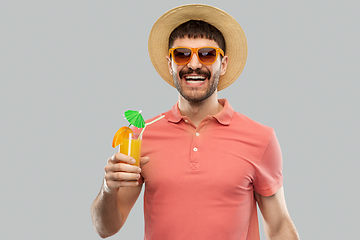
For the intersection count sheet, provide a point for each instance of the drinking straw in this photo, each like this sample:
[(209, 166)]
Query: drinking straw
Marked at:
[(142, 131)]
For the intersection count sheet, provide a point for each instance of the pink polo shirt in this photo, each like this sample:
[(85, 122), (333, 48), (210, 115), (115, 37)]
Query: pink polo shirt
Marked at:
[(200, 181)]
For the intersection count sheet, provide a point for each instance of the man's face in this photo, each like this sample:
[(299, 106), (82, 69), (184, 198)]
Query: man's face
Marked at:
[(196, 81)]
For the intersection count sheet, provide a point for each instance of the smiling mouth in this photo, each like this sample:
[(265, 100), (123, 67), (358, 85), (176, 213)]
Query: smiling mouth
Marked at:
[(194, 79)]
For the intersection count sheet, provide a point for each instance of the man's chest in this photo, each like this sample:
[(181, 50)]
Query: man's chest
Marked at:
[(201, 161)]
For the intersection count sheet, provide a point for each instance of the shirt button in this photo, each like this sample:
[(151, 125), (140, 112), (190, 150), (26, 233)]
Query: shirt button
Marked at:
[(195, 149), (197, 134), (186, 120)]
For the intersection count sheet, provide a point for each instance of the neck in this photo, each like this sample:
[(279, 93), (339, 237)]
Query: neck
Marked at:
[(196, 112)]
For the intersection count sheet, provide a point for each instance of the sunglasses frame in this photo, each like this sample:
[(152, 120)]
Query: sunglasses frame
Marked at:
[(195, 50)]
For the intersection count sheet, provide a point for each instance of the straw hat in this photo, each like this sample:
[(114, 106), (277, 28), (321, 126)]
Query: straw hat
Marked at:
[(235, 40)]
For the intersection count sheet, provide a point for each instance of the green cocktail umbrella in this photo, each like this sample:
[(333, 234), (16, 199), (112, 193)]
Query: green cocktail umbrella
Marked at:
[(135, 118)]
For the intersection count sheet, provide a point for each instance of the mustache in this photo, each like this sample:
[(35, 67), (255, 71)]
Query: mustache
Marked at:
[(198, 71)]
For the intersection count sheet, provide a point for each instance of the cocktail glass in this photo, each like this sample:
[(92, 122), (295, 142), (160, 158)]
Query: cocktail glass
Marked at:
[(131, 146)]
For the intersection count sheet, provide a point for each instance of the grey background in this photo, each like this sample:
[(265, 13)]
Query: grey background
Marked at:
[(69, 69)]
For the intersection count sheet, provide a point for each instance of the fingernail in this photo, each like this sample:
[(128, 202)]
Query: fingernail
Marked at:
[(132, 161)]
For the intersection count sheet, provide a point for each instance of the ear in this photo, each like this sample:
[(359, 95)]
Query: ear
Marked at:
[(169, 64), (224, 62)]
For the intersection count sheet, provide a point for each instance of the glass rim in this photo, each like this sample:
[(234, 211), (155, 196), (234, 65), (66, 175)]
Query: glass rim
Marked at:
[(134, 136)]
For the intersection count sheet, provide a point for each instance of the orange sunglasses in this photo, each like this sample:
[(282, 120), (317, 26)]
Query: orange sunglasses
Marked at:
[(206, 55)]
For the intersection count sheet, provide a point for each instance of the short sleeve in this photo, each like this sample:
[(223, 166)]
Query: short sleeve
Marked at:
[(268, 178)]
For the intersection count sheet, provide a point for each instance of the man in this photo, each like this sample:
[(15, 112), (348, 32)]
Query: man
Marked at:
[(205, 166)]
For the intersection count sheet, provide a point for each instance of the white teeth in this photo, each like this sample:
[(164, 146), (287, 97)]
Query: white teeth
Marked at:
[(195, 78), (192, 81)]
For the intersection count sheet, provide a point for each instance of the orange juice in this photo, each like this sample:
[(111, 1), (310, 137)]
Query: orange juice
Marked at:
[(132, 147)]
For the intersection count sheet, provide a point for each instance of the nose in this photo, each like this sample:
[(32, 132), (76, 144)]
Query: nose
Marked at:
[(194, 62)]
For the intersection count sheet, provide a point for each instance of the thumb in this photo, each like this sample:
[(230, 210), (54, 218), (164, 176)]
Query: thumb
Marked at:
[(144, 160)]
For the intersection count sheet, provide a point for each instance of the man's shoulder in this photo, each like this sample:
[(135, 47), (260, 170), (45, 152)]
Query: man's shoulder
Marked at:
[(242, 120), (245, 122)]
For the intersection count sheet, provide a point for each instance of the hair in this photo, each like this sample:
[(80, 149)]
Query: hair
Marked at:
[(197, 29)]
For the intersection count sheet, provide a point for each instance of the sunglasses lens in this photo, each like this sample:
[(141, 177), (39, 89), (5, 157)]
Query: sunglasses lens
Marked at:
[(207, 55), (182, 55)]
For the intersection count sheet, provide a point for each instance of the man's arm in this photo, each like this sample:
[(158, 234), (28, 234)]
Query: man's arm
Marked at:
[(117, 196), (277, 222)]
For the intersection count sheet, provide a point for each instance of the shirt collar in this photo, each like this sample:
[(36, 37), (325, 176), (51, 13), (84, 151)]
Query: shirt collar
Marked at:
[(226, 114), (223, 117), (174, 115)]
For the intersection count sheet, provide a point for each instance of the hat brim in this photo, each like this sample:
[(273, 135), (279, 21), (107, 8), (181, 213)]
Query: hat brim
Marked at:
[(235, 40)]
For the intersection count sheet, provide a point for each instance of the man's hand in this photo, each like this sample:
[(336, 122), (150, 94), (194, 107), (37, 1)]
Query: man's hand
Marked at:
[(112, 206), (119, 172)]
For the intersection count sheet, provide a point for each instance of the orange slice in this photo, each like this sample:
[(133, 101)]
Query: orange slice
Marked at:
[(122, 133)]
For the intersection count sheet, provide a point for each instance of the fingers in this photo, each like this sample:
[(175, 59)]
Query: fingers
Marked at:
[(120, 173), (113, 186), (114, 180), (119, 157), (122, 167), (121, 179), (144, 160)]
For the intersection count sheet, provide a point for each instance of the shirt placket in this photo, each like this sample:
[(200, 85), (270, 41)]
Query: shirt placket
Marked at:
[(195, 152), (195, 148)]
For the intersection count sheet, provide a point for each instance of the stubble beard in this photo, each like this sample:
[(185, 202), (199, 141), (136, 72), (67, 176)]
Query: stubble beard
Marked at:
[(193, 97)]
